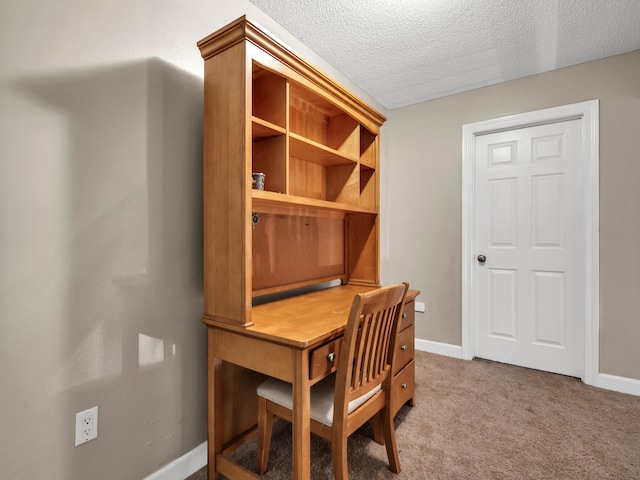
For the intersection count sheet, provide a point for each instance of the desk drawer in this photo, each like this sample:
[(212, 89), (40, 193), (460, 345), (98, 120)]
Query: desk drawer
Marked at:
[(324, 360), (405, 349), (408, 315), (404, 385)]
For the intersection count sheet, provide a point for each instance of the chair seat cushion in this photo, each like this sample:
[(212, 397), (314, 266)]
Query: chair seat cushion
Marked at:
[(322, 394)]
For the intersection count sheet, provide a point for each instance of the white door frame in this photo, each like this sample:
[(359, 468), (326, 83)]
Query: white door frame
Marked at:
[(587, 112)]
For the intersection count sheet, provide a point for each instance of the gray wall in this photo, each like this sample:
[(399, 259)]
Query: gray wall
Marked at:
[(101, 232), (423, 154)]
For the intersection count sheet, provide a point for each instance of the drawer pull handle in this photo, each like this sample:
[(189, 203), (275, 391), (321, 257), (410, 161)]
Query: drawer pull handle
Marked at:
[(404, 315), (404, 385), (331, 357), (403, 347)]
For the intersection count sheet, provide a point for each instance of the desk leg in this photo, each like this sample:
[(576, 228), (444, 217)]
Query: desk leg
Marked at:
[(214, 412), (301, 453)]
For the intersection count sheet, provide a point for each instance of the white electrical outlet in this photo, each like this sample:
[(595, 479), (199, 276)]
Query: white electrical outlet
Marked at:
[(86, 425), (419, 307)]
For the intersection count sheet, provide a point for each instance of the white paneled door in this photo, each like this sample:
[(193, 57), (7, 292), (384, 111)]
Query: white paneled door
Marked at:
[(528, 265)]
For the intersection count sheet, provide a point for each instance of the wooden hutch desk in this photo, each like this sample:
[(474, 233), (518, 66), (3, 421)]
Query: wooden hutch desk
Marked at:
[(316, 220), (296, 340)]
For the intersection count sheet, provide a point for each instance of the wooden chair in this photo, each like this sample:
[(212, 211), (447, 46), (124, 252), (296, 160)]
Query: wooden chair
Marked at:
[(358, 391)]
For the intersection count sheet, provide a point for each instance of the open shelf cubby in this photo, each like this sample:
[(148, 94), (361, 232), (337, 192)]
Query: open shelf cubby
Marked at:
[(269, 123), (368, 172), (324, 148), (320, 121), (269, 96)]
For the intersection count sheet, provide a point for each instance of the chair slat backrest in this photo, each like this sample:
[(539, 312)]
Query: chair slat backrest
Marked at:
[(367, 349)]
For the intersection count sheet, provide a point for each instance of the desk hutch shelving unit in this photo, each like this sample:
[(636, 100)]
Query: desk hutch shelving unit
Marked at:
[(267, 110)]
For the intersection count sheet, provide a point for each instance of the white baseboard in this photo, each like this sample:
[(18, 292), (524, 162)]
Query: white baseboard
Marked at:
[(446, 349), (603, 380), (618, 384), (182, 467)]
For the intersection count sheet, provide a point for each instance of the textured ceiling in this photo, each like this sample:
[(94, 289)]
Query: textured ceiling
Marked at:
[(406, 51)]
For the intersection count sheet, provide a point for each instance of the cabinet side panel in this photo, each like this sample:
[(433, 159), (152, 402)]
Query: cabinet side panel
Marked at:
[(239, 400), (225, 180)]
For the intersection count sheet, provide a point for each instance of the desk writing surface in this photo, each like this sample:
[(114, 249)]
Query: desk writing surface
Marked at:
[(306, 319), (303, 320)]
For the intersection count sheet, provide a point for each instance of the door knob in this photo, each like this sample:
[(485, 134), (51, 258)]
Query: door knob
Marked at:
[(482, 258)]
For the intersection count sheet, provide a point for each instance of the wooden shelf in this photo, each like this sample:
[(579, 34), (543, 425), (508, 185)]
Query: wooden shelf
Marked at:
[(263, 129), (271, 202), (310, 151)]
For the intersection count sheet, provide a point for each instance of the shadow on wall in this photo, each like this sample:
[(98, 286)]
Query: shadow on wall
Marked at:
[(129, 266)]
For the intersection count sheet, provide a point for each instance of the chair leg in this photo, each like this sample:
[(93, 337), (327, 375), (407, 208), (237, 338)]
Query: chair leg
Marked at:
[(389, 433), (265, 427), (339, 457), (376, 426)]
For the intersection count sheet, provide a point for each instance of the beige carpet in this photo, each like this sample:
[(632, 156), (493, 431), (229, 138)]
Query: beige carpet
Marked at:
[(483, 420)]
